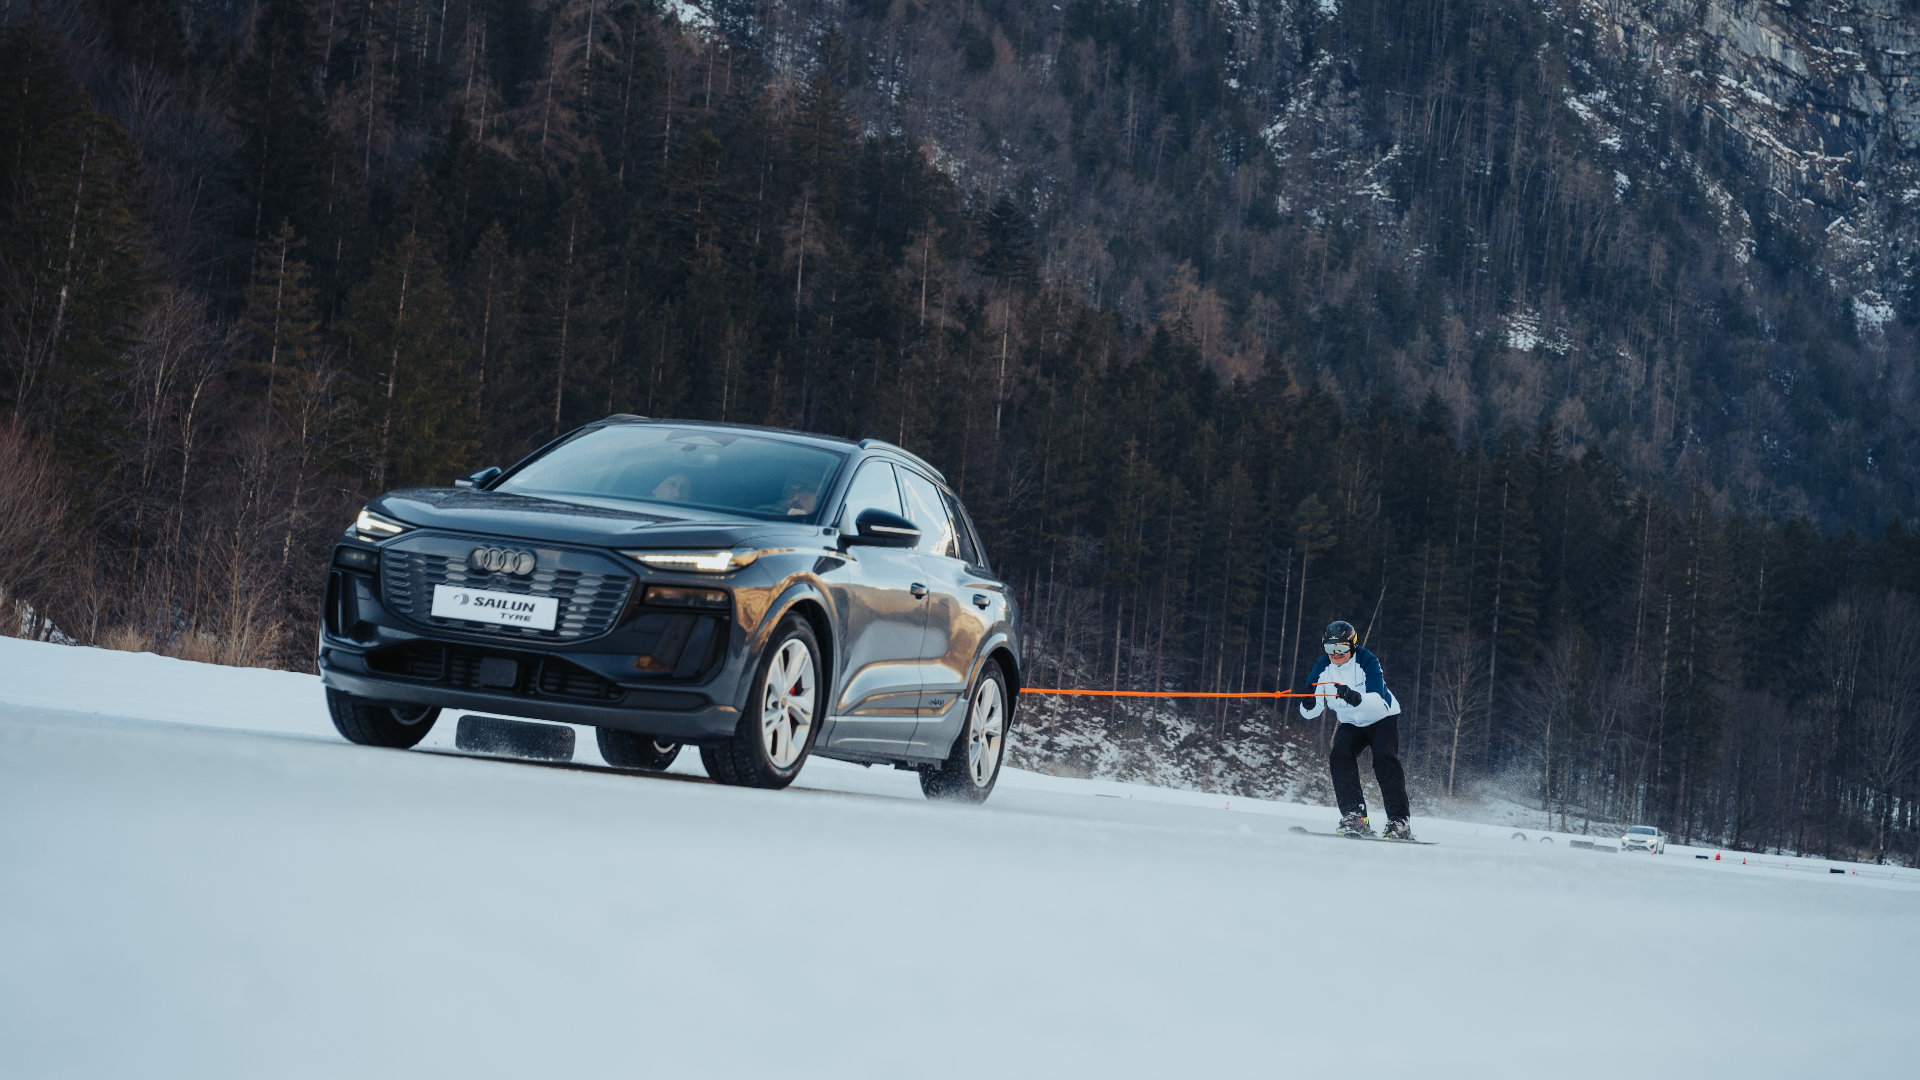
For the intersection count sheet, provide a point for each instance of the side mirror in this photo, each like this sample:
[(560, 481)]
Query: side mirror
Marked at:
[(479, 479), (878, 528)]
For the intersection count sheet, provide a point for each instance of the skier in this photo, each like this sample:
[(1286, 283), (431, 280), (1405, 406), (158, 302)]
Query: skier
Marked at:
[(1367, 713)]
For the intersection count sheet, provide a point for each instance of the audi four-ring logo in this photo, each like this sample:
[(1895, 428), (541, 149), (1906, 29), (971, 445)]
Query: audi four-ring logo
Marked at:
[(501, 560)]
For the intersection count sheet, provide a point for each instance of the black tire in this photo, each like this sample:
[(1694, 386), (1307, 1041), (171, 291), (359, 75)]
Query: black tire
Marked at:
[(629, 750), (749, 759), (374, 723), (973, 765)]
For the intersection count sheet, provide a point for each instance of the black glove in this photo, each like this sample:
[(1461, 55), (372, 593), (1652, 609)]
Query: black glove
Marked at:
[(1348, 694)]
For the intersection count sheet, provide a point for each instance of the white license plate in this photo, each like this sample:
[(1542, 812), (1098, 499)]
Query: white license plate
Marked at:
[(500, 608)]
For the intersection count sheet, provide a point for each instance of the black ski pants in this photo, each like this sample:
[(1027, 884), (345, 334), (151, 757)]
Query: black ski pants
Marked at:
[(1384, 737)]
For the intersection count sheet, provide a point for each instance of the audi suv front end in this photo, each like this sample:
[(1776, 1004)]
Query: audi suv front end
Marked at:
[(763, 595)]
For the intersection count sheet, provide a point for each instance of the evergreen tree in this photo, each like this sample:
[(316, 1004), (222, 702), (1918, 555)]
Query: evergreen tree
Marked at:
[(73, 251), (408, 360), (1009, 242), (277, 335), (282, 159)]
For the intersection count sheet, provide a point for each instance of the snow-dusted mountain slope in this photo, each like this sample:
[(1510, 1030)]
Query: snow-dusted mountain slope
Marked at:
[(201, 880), (1815, 105)]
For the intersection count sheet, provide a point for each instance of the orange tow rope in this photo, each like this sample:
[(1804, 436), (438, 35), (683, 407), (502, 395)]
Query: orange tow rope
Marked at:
[(1174, 693)]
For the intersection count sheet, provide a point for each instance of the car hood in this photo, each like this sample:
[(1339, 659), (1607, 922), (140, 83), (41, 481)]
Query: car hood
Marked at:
[(600, 524)]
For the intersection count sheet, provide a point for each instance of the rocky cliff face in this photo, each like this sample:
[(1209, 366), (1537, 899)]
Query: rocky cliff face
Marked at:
[(1763, 162), (1650, 222), (1816, 101), (1808, 110)]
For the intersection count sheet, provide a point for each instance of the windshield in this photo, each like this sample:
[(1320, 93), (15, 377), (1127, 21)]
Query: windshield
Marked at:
[(1643, 830), (698, 468)]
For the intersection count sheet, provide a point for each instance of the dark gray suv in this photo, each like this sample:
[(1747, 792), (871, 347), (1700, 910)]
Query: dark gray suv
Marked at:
[(760, 594)]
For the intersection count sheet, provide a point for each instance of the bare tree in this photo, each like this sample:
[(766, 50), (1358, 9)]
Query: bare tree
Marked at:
[(1618, 697), (1457, 698), (1753, 749), (1841, 629), (31, 529), (1885, 717), (1547, 700)]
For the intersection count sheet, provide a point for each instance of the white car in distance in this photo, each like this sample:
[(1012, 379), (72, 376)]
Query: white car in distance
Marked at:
[(1643, 838)]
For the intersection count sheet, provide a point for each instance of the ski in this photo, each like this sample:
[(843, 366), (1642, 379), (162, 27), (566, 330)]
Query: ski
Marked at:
[(1304, 831)]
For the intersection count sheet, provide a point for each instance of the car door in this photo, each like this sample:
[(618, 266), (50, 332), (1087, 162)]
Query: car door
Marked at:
[(956, 623), (882, 623)]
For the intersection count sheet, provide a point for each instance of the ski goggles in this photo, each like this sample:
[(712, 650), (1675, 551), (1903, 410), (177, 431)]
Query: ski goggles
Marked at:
[(1339, 648)]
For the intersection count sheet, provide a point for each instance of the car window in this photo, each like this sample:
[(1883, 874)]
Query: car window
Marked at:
[(703, 468), (965, 522), (928, 511), (872, 489), (964, 543)]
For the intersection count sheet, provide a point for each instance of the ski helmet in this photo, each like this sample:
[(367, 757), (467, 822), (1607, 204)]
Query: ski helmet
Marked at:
[(1340, 632)]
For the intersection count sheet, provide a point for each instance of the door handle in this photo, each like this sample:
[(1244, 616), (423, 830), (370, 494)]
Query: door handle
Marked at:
[(980, 601), (919, 591)]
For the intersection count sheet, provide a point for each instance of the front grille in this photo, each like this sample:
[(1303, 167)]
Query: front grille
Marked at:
[(590, 600), (458, 667)]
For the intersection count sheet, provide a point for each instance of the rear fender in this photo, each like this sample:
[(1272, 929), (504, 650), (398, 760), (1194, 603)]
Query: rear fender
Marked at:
[(1001, 638)]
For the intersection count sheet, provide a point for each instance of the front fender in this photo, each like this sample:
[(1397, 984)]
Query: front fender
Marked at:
[(785, 597)]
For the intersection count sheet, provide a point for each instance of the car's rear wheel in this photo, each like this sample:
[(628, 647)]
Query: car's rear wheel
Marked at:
[(973, 765), (630, 750), (374, 723), (774, 737)]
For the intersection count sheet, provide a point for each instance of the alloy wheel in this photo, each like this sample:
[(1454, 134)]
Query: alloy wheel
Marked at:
[(986, 729), (786, 704)]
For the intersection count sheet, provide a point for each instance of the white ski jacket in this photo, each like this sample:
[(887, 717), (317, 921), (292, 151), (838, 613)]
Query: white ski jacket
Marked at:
[(1363, 674)]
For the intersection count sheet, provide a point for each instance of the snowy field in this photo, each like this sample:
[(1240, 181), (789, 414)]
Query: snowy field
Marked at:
[(198, 878)]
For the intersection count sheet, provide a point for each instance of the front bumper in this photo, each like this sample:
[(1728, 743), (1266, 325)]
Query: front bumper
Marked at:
[(681, 716), (615, 660)]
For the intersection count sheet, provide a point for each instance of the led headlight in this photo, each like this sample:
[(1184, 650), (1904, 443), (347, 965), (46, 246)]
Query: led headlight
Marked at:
[(705, 562), (372, 526)]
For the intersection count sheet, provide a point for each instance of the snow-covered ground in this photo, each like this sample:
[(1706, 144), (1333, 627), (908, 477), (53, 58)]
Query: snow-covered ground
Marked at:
[(199, 879)]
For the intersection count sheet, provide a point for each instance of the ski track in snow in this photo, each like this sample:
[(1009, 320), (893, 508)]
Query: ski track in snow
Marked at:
[(198, 878)]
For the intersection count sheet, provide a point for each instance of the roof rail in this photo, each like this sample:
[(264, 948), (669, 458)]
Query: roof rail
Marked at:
[(622, 416), (882, 444)]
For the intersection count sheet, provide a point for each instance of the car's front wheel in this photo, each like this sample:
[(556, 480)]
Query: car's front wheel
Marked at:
[(628, 750), (373, 723), (774, 737), (973, 765)]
